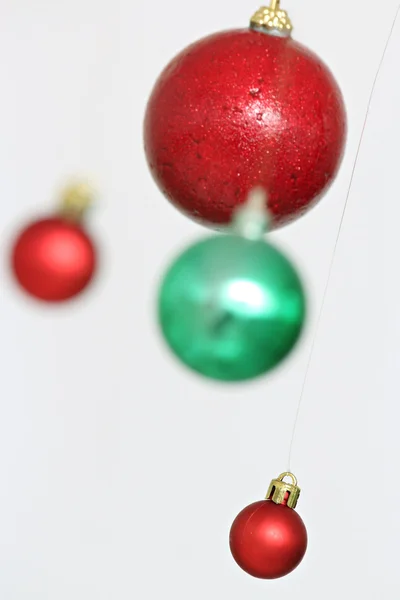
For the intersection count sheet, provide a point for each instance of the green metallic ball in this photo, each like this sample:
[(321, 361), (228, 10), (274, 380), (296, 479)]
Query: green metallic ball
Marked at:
[(231, 308)]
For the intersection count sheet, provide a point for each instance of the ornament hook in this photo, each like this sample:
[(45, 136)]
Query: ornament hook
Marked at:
[(288, 474)]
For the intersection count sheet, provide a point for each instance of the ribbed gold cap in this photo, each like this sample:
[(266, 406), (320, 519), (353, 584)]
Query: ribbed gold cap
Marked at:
[(282, 492), (75, 200), (272, 19)]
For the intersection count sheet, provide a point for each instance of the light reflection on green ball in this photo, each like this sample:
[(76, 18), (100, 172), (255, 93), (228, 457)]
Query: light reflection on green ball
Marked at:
[(231, 308)]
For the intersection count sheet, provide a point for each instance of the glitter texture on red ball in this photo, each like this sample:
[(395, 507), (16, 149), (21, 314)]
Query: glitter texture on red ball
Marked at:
[(241, 109), (268, 540), (53, 259)]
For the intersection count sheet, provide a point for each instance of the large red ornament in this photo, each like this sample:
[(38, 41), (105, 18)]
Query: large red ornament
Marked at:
[(54, 259), (268, 539), (241, 109)]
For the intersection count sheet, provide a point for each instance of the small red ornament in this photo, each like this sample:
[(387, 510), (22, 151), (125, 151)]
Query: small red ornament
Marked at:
[(53, 259), (268, 539), (241, 109)]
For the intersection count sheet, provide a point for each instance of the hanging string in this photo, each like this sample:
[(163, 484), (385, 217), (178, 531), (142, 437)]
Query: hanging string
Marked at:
[(342, 217)]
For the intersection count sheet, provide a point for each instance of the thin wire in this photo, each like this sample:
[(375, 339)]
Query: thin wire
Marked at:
[(344, 211)]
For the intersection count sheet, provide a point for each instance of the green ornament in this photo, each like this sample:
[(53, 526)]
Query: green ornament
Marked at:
[(231, 307)]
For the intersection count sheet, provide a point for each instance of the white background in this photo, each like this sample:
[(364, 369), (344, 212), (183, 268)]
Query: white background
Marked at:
[(120, 472)]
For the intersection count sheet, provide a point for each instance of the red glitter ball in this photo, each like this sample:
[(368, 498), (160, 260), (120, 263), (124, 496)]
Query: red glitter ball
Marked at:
[(241, 109), (53, 259), (268, 540)]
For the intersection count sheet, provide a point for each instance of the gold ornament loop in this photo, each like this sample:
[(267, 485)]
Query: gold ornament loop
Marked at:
[(282, 492), (272, 19), (288, 474)]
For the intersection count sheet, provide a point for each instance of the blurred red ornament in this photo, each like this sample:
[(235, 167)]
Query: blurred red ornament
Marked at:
[(54, 259), (268, 539), (241, 109)]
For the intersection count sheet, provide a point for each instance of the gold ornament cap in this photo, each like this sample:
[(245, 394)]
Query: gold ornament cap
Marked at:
[(75, 201), (282, 492), (272, 19)]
